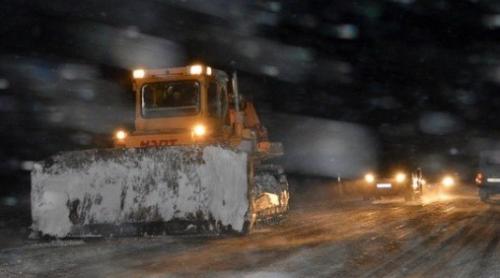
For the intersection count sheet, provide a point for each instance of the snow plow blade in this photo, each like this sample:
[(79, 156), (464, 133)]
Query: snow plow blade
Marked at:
[(130, 191)]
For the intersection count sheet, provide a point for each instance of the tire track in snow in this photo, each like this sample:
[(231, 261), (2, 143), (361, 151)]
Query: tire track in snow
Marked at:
[(414, 254), (323, 232), (460, 252), (487, 256)]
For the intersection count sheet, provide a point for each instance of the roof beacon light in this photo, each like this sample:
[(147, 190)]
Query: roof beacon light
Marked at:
[(138, 73), (196, 69)]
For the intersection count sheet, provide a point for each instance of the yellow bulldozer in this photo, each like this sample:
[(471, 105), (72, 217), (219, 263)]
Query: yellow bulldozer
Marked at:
[(197, 161)]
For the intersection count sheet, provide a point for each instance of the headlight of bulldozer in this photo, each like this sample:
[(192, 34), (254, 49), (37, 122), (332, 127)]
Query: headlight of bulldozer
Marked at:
[(199, 130), (138, 73), (195, 69), (121, 135), (369, 178), (400, 177), (448, 181)]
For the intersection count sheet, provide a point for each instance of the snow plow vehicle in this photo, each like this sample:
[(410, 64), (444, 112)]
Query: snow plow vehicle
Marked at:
[(197, 161)]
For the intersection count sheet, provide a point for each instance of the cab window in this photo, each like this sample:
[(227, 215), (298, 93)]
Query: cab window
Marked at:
[(213, 101), (170, 99), (224, 104)]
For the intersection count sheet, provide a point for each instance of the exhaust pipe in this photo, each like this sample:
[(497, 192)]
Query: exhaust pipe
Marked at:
[(239, 114)]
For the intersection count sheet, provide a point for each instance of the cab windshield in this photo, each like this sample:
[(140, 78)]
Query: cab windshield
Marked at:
[(168, 99)]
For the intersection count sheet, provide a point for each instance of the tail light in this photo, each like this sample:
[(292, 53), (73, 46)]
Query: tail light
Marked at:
[(479, 178)]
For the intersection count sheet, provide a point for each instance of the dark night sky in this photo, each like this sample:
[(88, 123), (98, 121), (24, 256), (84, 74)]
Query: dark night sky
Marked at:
[(423, 75)]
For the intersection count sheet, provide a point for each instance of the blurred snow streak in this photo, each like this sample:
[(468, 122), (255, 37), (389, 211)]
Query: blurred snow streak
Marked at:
[(478, 144), (334, 75), (322, 147), (127, 48), (65, 95), (241, 47), (439, 123)]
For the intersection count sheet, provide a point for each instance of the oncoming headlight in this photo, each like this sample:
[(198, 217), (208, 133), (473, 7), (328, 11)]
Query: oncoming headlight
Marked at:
[(369, 178), (400, 177), (448, 181)]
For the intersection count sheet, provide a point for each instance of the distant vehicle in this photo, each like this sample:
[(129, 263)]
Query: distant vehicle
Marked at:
[(488, 176), (447, 183), (402, 183), (443, 182)]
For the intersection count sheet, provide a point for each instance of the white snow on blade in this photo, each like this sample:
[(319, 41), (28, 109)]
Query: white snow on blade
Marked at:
[(221, 180), (56, 220), (133, 186)]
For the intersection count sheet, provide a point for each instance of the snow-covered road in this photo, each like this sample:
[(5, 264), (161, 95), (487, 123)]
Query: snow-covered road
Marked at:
[(456, 236)]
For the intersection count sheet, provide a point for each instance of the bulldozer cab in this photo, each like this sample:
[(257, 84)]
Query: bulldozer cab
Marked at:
[(179, 98), (179, 106)]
